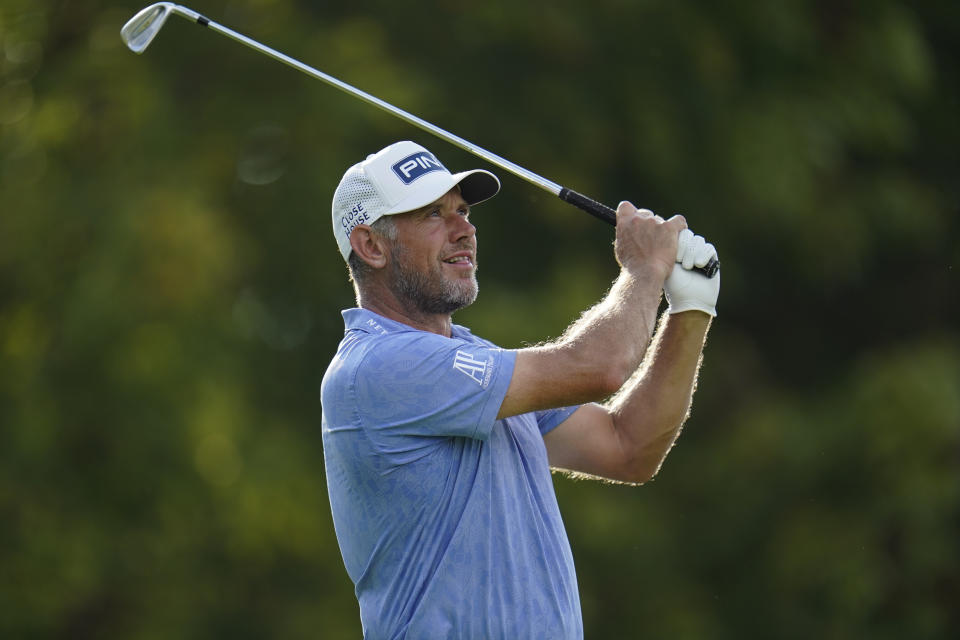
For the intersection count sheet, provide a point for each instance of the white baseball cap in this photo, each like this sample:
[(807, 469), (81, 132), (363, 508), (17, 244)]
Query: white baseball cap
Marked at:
[(400, 178)]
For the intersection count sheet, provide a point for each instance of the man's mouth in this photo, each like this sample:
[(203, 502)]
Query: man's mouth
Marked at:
[(460, 259)]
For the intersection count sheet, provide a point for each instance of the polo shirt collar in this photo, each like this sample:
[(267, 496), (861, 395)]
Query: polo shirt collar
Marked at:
[(370, 322)]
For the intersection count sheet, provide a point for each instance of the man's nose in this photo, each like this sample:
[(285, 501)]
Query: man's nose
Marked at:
[(461, 227)]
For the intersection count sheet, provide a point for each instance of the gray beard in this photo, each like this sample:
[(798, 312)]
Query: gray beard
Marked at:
[(430, 293)]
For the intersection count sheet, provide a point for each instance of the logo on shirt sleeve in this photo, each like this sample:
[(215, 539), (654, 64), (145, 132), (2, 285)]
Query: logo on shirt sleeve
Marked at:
[(478, 370)]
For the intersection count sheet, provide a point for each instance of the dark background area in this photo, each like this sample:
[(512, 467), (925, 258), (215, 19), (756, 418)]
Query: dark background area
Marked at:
[(170, 294)]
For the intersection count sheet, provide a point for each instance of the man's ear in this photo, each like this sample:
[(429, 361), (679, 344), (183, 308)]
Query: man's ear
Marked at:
[(369, 246)]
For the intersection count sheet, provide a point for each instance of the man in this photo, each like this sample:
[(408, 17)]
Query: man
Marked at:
[(438, 444)]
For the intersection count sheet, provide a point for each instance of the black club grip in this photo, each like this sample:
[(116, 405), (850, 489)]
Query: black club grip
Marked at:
[(608, 215)]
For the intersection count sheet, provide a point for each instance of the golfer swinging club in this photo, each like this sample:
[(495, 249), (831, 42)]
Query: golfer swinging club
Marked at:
[(438, 444)]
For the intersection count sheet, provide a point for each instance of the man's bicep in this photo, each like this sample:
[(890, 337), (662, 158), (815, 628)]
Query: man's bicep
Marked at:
[(588, 442)]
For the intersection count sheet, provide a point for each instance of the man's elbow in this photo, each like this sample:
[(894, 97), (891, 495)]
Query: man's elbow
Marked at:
[(612, 376), (638, 474), (598, 375), (643, 464), (595, 383)]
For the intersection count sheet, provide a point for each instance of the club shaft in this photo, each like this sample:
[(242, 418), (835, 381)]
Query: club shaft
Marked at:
[(466, 145), (594, 208)]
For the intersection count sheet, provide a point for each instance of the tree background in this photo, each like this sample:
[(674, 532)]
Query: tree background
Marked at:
[(170, 296)]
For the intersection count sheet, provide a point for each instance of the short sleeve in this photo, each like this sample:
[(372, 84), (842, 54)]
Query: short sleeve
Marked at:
[(550, 419), (422, 384)]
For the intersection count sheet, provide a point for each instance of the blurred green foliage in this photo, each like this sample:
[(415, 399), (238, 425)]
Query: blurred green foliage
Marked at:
[(169, 297)]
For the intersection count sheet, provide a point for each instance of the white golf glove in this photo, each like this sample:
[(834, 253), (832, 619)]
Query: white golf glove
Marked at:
[(688, 290)]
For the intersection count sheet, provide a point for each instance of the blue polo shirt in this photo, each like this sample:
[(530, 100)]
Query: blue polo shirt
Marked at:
[(446, 517)]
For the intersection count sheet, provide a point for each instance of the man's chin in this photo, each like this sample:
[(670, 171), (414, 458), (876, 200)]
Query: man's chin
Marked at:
[(462, 299), (436, 294)]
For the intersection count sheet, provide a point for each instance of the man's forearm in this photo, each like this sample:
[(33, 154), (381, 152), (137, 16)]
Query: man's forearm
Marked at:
[(616, 332), (650, 409)]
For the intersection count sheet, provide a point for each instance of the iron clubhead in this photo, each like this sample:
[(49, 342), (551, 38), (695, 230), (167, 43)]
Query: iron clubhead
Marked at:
[(141, 29)]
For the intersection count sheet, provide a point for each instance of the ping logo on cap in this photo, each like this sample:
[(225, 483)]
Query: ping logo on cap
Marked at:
[(415, 165)]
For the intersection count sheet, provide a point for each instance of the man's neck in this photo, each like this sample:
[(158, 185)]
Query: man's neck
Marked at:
[(389, 306)]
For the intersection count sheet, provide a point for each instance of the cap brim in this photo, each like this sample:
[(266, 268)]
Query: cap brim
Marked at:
[(476, 186)]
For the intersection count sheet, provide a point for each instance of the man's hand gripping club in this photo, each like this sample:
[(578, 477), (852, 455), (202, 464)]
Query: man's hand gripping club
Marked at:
[(685, 290), (646, 244), (688, 290)]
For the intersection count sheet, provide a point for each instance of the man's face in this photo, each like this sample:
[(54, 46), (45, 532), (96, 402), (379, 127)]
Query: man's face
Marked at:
[(433, 262)]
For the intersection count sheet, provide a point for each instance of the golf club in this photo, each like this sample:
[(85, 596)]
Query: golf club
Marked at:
[(142, 28)]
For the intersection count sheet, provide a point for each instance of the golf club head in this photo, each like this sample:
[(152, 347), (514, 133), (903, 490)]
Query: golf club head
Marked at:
[(140, 30)]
